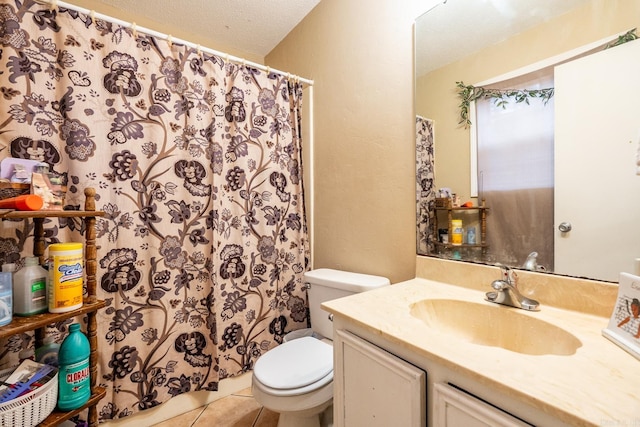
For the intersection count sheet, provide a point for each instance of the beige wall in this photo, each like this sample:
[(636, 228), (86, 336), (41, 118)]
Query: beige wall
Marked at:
[(360, 55), (436, 95), (178, 30)]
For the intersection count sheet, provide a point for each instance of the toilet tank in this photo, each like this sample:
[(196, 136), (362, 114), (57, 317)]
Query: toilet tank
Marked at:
[(325, 284)]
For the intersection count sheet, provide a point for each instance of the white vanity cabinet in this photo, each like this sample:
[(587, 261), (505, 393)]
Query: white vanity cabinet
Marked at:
[(374, 388), (379, 382), (455, 408)]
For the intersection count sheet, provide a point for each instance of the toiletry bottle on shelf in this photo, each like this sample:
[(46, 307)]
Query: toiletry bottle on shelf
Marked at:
[(456, 232), (73, 370), (30, 289), (471, 235)]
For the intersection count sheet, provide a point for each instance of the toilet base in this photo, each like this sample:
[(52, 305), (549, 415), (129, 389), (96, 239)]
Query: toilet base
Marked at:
[(313, 409), (324, 419)]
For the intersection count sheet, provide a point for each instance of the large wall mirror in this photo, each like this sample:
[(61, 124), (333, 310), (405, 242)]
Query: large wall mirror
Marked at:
[(583, 218)]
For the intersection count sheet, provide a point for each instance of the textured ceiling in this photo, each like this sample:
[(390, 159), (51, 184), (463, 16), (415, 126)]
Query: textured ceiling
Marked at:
[(254, 26), (458, 28)]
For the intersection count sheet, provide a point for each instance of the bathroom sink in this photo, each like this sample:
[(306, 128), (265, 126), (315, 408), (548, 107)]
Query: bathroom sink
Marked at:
[(496, 326)]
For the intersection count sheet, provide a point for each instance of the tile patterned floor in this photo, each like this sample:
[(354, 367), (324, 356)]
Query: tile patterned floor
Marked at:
[(237, 410)]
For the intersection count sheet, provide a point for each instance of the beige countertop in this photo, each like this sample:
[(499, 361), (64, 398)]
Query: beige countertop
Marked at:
[(599, 385)]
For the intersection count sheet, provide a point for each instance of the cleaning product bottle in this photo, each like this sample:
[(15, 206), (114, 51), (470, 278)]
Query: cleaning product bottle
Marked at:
[(65, 277), (6, 294), (48, 352), (74, 387), (30, 289), (456, 232)]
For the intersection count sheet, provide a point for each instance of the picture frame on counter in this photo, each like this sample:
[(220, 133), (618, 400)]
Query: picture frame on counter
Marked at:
[(624, 325)]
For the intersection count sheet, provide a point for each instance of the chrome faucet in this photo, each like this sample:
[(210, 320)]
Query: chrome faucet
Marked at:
[(531, 263), (506, 292)]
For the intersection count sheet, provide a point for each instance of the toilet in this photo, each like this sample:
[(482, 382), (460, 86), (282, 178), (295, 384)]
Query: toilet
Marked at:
[(295, 379)]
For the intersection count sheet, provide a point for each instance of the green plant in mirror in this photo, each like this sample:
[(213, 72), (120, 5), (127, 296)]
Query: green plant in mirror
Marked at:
[(500, 97), (470, 93), (626, 37)]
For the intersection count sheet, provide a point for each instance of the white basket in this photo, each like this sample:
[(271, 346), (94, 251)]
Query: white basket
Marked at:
[(32, 408)]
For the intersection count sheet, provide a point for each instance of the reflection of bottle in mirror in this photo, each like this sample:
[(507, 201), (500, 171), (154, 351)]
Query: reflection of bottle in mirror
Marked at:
[(456, 231), (471, 235)]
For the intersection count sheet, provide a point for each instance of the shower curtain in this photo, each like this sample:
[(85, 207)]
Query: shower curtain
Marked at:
[(197, 164), (425, 186)]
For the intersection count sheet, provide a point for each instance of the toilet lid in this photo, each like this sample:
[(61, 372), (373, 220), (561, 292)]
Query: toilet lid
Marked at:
[(294, 364)]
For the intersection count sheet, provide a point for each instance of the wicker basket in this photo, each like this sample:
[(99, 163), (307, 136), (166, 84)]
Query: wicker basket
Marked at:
[(32, 408), (12, 189), (443, 202)]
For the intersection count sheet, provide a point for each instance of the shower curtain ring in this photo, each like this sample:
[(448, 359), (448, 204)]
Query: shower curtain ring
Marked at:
[(170, 40), (134, 30), (92, 15), (54, 5), (198, 50)]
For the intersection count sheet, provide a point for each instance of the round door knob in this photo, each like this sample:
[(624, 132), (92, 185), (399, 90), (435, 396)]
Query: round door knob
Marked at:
[(564, 227)]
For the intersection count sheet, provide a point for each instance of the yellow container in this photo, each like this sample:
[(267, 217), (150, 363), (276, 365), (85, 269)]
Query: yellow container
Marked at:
[(65, 277), (456, 232)]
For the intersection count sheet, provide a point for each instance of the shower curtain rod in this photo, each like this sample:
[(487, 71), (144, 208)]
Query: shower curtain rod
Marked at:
[(55, 4)]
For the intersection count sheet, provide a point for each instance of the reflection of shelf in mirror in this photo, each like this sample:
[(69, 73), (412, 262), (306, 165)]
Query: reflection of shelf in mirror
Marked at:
[(464, 245), (462, 208)]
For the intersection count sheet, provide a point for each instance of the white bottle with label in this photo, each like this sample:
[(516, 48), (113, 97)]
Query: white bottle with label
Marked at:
[(30, 289)]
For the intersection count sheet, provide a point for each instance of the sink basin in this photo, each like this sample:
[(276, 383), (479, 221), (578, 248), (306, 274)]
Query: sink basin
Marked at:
[(496, 326)]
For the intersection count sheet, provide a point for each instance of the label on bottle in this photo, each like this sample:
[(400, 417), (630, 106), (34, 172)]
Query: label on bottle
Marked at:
[(73, 385), (39, 292), (77, 374)]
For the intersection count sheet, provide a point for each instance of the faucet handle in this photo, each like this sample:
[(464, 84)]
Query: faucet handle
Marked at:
[(508, 275), (504, 271), (512, 277)]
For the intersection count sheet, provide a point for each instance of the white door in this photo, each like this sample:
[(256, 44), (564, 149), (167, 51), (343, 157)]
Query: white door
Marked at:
[(597, 188)]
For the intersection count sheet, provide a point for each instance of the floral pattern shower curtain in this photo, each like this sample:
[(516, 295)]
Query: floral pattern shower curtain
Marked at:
[(196, 162)]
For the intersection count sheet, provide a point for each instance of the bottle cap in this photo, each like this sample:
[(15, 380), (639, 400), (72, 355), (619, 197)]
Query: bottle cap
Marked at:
[(31, 260), (9, 267), (30, 202)]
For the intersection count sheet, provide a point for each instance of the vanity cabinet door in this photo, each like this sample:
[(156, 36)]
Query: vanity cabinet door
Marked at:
[(374, 388), (455, 408)]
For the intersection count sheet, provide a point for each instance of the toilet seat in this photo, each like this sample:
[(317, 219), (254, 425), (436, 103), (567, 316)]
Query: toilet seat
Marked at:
[(295, 367)]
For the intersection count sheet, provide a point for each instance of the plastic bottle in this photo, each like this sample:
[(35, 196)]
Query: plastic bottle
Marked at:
[(471, 235), (74, 387), (48, 353), (456, 232), (65, 277), (6, 294), (30, 289)]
